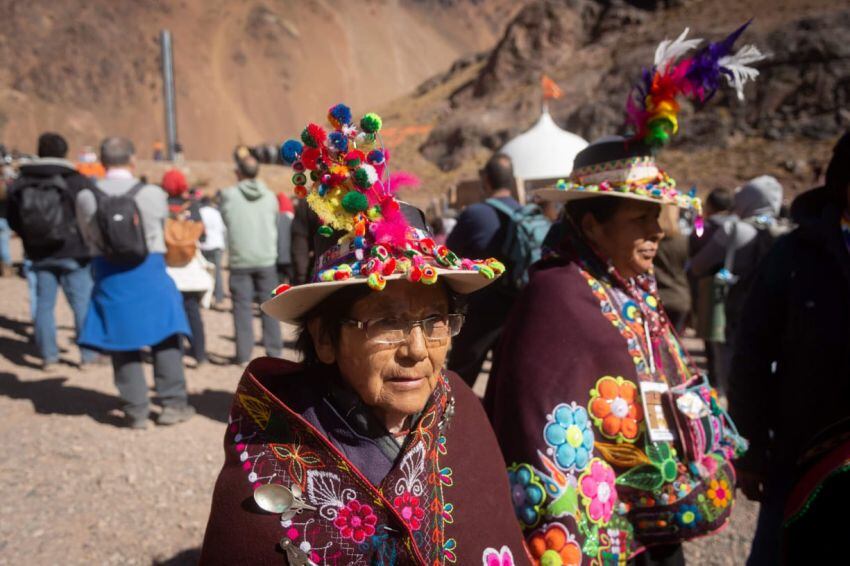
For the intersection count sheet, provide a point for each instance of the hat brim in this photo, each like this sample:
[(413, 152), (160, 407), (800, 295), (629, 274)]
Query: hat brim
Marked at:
[(297, 301), (557, 195)]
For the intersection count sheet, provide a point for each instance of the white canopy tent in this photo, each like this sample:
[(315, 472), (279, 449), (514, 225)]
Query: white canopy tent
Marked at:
[(545, 151)]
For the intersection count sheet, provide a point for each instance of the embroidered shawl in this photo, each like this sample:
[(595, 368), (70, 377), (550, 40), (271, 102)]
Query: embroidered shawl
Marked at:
[(588, 485), (444, 500)]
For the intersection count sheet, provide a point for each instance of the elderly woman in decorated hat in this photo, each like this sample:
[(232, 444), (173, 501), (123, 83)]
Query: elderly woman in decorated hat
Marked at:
[(617, 447), (366, 452)]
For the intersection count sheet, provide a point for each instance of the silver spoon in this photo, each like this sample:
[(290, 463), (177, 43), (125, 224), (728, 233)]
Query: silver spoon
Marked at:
[(279, 499)]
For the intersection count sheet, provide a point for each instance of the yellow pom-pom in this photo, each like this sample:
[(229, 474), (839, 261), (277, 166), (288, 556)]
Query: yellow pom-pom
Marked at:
[(429, 275), (376, 281), (497, 266)]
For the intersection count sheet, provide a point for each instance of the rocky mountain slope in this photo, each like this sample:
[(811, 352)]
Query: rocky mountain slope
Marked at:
[(595, 51), (246, 72)]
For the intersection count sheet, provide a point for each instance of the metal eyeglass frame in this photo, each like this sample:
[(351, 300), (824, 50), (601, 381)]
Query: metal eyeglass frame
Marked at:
[(364, 325)]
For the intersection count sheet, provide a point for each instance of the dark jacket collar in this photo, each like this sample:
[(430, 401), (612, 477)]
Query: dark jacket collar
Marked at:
[(47, 167)]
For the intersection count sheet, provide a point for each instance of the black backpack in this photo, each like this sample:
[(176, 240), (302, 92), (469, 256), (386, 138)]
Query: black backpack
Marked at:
[(43, 213), (121, 228)]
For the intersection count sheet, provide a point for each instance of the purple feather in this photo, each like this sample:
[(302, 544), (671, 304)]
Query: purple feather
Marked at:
[(705, 72)]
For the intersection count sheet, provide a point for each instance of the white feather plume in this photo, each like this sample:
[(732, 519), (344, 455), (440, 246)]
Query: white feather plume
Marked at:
[(670, 50), (738, 66)]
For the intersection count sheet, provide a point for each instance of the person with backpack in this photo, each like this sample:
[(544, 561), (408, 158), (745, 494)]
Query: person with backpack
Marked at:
[(250, 212), (498, 227), (734, 252), (41, 210), (135, 304), (184, 231)]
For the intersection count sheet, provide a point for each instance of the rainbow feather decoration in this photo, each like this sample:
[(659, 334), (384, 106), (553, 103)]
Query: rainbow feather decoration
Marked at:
[(652, 107)]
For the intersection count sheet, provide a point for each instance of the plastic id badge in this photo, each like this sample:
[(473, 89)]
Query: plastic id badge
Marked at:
[(652, 395)]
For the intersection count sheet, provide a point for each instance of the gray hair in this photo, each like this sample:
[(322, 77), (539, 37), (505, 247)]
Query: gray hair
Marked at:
[(116, 151)]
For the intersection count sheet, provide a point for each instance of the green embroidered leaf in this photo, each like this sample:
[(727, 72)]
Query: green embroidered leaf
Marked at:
[(646, 478), (658, 452), (566, 504)]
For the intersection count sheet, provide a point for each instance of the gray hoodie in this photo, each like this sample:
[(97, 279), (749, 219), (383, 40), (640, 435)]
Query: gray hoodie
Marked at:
[(249, 210)]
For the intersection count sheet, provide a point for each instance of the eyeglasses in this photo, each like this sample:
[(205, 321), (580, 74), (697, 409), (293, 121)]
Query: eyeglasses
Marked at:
[(395, 330)]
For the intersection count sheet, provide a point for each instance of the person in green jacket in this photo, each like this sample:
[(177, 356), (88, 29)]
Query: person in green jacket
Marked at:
[(249, 210)]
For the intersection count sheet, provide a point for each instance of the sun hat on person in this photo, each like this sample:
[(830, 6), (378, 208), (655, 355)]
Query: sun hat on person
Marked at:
[(367, 236), (626, 166)]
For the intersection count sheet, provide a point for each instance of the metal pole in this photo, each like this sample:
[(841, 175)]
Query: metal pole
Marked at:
[(168, 91)]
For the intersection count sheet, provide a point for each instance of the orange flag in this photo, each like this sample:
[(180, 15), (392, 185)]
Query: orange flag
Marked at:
[(551, 90)]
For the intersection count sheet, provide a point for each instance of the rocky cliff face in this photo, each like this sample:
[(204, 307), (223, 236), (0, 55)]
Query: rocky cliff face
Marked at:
[(595, 51)]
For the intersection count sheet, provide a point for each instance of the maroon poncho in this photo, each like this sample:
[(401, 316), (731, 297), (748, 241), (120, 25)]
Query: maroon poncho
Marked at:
[(444, 500), (587, 482)]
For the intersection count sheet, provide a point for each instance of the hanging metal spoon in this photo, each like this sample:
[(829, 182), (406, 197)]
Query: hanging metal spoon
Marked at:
[(279, 499)]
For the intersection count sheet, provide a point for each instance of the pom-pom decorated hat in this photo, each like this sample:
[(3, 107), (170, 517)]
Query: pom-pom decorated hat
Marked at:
[(626, 167), (367, 236)]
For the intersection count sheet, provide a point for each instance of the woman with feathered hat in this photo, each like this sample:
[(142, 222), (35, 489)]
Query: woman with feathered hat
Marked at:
[(617, 446), (367, 452)]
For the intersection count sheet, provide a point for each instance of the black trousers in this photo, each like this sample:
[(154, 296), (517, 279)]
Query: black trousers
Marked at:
[(192, 306)]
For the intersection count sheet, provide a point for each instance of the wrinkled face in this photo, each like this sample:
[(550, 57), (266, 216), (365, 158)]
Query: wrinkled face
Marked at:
[(629, 238), (393, 379)]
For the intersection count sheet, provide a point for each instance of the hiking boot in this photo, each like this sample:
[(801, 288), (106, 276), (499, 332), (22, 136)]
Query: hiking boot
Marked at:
[(172, 415)]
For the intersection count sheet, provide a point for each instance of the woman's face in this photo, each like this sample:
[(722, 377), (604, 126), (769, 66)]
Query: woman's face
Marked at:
[(394, 379), (629, 238)]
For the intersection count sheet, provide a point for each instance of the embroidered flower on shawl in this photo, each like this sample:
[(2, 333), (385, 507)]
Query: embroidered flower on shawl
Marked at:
[(527, 493), (554, 546), (615, 408), (356, 521), (501, 557), (597, 488), (568, 433), (408, 507), (688, 516), (719, 494)]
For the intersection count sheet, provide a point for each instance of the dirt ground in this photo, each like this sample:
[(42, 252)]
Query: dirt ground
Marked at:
[(77, 489)]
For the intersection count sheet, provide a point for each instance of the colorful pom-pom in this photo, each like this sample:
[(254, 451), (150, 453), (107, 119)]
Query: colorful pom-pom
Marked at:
[(426, 245), (313, 135), (380, 252), (290, 150), (359, 242), (298, 167), (325, 231), (355, 201), (370, 123), (283, 287), (300, 191), (327, 275), (389, 267), (323, 190), (299, 179), (497, 266), (375, 157), (485, 270), (376, 281), (339, 115), (414, 274), (354, 158), (338, 141), (429, 275), (365, 176), (310, 157)]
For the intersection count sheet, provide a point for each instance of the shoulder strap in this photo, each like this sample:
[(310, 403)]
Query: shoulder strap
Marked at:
[(501, 207), (729, 262), (135, 189)]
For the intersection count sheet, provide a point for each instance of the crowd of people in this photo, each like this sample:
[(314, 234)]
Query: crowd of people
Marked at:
[(599, 440)]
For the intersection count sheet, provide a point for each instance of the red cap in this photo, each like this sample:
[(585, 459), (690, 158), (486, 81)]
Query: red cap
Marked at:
[(174, 183)]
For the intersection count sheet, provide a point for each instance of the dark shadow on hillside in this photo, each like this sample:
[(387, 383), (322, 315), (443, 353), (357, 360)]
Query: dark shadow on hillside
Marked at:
[(188, 557)]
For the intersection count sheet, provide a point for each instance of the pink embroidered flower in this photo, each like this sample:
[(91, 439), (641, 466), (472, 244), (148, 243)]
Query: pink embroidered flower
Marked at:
[(408, 507), (501, 557), (600, 494), (356, 521)]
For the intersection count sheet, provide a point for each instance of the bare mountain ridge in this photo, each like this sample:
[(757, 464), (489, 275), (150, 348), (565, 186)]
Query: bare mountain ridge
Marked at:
[(245, 72), (595, 51)]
